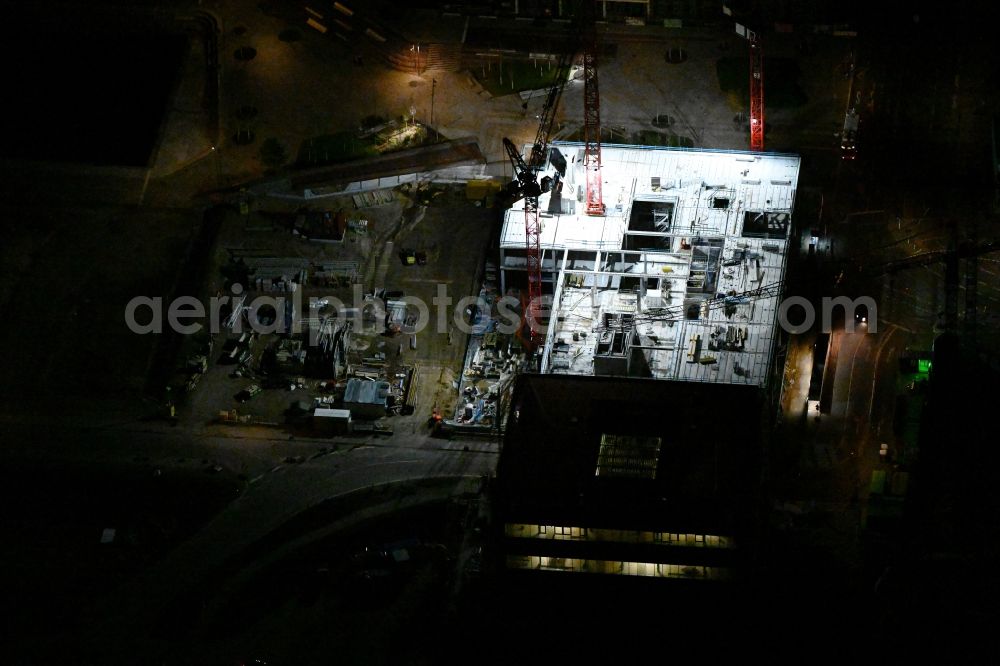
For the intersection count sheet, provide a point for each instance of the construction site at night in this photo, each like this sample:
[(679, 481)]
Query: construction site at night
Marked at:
[(679, 279), (632, 260), (363, 331)]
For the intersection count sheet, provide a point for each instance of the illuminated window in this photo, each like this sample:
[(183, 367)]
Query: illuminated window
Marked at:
[(576, 533), (649, 569), (628, 456), (665, 570), (561, 563), (521, 530), (645, 569)]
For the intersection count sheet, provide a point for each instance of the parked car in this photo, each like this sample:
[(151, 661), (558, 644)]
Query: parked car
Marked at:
[(861, 315), (849, 136), (247, 393)]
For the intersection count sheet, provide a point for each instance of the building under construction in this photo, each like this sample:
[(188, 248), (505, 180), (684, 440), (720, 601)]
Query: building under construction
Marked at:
[(680, 279), (637, 450)]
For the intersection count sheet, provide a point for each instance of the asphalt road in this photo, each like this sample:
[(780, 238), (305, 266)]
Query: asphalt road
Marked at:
[(846, 440), (274, 493)]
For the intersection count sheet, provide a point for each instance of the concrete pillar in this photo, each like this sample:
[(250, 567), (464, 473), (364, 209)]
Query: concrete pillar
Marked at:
[(593, 283)]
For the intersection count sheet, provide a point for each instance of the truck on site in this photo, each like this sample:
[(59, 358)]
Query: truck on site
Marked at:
[(849, 135)]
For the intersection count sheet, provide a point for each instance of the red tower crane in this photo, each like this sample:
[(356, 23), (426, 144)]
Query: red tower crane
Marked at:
[(756, 92), (591, 113), (526, 186)]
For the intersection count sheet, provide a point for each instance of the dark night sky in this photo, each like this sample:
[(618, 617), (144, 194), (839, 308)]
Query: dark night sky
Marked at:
[(86, 98)]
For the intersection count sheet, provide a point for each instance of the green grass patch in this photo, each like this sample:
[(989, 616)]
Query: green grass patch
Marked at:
[(511, 76), (332, 148), (352, 145), (781, 87)]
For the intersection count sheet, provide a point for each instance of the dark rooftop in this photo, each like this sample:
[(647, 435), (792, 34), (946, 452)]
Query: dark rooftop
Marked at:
[(630, 453)]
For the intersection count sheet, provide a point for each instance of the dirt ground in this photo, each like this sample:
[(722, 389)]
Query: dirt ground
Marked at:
[(454, 235)]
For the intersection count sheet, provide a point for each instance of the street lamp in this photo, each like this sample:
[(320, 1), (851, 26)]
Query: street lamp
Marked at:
[(218, 166)]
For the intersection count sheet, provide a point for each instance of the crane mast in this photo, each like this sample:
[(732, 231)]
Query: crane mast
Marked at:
[(591, 113), (527, 175), (536, 159), (526, 184), (756, 92)]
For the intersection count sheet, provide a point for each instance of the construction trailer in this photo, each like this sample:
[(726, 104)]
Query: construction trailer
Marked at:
[(332, 421)]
